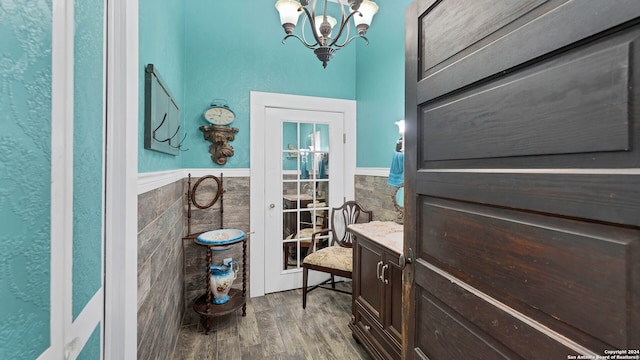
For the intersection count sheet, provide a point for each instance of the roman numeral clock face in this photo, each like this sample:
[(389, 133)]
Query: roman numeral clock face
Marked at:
[(219, 115)]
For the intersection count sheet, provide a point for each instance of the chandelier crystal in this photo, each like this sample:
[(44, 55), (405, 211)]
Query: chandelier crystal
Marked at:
[(323, 44)]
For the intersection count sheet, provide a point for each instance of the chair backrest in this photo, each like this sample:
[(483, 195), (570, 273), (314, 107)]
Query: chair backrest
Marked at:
[(343, 216)]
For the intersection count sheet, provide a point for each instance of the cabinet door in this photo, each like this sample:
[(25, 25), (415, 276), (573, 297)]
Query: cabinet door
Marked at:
[(393, 310), (369, 291)]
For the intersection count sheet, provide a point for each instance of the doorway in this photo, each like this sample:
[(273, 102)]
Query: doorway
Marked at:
[(280, 120)]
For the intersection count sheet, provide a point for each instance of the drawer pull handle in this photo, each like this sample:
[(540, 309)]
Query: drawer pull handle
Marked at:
[(383, 277), (367, 327), (378, 267)]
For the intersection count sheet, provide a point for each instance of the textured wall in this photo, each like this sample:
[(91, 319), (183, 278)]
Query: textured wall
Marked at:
[(219, 57), (25, 169), (236, 216), (162, 43), (87, 152), (171, 270), (227, 58), (160, 270), (373, 193), (380, 85)]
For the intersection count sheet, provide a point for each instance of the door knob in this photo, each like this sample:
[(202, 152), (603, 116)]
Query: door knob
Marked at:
[(272, 206)]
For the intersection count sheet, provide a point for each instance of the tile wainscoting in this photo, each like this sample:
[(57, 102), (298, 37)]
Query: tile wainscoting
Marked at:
[(373, 193), (236, 216), (171, 271), (160, 270)]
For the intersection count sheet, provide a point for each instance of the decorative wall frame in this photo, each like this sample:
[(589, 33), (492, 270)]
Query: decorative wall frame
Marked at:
[(161, 115)]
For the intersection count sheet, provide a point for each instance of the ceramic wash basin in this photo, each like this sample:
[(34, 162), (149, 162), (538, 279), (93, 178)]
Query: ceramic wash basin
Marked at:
[(221, 237)]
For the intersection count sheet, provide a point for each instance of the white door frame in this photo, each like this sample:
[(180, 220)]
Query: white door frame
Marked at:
[(68, 336), (121, 218), (259, 102)]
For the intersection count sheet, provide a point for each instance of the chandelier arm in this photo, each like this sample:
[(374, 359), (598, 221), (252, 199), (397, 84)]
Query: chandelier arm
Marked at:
[(309, 46), (345, 22), (340, 46), (312, 23)]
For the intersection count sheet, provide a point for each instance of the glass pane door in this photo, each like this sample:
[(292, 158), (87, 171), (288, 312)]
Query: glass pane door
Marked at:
[(303, 180), (305, 190)]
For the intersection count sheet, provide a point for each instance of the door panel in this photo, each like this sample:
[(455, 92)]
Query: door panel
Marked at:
[(303, 180), (447, 335), (483, 317), (554, 107), (531, 261), (525, 199), (524, 39), (587, 85)]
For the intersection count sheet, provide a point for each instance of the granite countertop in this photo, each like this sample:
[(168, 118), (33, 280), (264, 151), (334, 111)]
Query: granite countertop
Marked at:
[(386, 233)]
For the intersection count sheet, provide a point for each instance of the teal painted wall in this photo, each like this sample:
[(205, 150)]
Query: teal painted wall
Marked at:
[(162, 43), (231, 48), (235, 47), (25, 178), (380, 86), (91, 350), (87, 151)]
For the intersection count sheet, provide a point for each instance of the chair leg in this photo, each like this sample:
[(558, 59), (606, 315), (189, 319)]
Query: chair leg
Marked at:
[(305, 273), (286, 256)]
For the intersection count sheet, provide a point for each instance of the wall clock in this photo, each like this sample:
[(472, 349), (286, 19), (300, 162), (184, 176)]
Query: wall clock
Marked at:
[(219, 114)]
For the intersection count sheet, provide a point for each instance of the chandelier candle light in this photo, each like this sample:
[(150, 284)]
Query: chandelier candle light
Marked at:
[(325, 46)]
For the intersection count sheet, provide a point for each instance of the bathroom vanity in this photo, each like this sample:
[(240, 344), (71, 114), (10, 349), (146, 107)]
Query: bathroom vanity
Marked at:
[(377, 288)]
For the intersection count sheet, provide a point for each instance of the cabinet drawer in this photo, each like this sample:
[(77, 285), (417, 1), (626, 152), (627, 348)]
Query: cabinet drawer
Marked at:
[(373, 332)]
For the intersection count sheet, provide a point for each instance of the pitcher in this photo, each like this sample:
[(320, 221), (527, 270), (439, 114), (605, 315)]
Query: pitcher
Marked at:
[(222, 277)]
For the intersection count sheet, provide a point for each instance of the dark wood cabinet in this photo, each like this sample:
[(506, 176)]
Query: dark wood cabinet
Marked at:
[(377, 297)]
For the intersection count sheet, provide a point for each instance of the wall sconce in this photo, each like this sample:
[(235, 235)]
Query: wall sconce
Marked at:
[(219, 135)]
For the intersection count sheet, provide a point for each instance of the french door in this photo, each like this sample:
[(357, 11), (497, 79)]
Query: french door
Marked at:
[(303, 180)]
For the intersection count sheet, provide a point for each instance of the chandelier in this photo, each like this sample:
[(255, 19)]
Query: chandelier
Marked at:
[(323, 45)]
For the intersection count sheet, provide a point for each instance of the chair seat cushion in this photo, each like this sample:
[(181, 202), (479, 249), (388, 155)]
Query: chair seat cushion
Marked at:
[(333, 257), (304, 233)]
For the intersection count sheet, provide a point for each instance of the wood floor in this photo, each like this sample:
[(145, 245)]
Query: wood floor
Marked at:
[(276, 327)]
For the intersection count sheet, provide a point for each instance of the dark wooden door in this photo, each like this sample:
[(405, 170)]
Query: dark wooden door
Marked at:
[(523, 179)]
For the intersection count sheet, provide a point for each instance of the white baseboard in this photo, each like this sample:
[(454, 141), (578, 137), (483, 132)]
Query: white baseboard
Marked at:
[(383, 172), (153, 180)]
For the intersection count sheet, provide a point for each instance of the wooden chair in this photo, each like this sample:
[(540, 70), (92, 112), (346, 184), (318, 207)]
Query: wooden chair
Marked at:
[(336, 259), (317, 223)]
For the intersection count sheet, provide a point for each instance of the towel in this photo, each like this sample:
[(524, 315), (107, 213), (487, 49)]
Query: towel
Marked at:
[(304, 173), (322, 171), (396, 172)]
